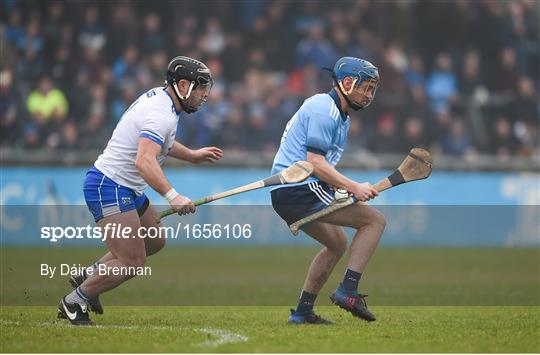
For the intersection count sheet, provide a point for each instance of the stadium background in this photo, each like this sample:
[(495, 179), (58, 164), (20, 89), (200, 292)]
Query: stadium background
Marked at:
[(459, 78)]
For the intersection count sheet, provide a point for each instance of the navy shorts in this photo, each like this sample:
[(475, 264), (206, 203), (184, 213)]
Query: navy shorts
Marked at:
[(296, 202), (105, 198)]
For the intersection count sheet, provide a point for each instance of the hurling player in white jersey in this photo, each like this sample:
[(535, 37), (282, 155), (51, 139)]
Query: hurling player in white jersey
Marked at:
[(114, 187)]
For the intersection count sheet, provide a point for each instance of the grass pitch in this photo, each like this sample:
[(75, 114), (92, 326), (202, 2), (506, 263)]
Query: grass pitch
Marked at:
[(263, 329), (237, 300)]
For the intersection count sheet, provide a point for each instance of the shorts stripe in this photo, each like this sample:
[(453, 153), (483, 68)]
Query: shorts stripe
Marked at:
[(99, 191), (324, 192), (313, 188)]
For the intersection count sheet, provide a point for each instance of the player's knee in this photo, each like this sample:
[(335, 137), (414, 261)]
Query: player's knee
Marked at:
[(379, 219), (160, 244), (152, 246), (339, 245)]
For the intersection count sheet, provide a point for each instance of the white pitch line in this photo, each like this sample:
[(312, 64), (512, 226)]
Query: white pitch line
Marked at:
[(223, 337)]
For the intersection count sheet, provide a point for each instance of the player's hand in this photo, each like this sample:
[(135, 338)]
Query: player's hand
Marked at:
[(364, 191), (206, 154), (182, 205)]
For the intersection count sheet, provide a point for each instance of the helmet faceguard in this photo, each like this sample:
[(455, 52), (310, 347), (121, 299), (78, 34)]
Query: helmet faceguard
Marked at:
[(194, 72), (360, 71)]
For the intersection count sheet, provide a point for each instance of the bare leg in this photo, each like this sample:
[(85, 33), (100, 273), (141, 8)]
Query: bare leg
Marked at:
[(128, 252), (334, 240), (369, 224), (148, 220), (152, 245)]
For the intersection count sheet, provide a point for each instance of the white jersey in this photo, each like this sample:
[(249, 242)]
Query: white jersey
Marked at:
[(153, 116)]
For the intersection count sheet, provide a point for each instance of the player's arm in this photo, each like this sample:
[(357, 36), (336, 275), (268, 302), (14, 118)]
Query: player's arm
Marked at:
[(206, 154), (327, 173), (150, 170), (320, 131)]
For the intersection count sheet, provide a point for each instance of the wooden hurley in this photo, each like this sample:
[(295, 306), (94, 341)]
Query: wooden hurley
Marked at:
[(297, 172), (416, 166)]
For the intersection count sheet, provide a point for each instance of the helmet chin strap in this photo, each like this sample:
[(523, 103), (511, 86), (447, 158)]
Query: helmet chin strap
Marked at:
[(345, 94), (183, 98)]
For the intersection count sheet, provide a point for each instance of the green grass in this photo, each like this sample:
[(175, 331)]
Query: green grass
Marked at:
[(262, 329), (426, 300)]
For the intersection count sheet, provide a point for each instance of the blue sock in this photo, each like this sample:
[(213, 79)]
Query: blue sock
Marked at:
[(351, 279), (306, 302)]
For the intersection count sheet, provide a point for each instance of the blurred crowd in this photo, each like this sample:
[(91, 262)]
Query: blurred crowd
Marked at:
[(459, 77)]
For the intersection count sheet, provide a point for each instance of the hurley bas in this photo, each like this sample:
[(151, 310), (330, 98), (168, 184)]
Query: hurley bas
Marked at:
[(101, 269)]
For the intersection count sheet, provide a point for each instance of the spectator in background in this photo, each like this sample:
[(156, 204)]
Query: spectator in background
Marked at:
[(392, 92), (62, 69), (526, 106), (413, 134), (32, 38), (315, 48), (120, 104), (121, 30), (273, 59), (213, 39), (127, 66), (212, 116), (417, 104), (414, 73), (232, 55), (441, 86), (457, 141), (79, 96), (14, 29), (527, 135), (31, 136), (98, 95), (471, 78), (94, 131), (47, 102), (504, 82), (358, 137), (29, 68), (70, 136), (367, 45), (341, 39), (232, 135), (440, 129), (9, 109), (304, 81), (152, 38), (92, 34), (503, 144), (53, 27), (385, 139), (255, 138)]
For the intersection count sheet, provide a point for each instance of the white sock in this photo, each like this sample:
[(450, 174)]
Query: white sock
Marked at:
[(76, 296)]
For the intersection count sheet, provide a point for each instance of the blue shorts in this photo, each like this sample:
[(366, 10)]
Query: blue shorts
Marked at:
[(296, 202), (105, 198)]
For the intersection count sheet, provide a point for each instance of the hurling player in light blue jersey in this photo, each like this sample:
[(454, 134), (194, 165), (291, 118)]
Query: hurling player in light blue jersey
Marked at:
[(114, 186), (318, 133)]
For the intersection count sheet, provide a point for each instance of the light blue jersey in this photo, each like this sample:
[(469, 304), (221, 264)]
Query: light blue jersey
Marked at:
[(319, 127)]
